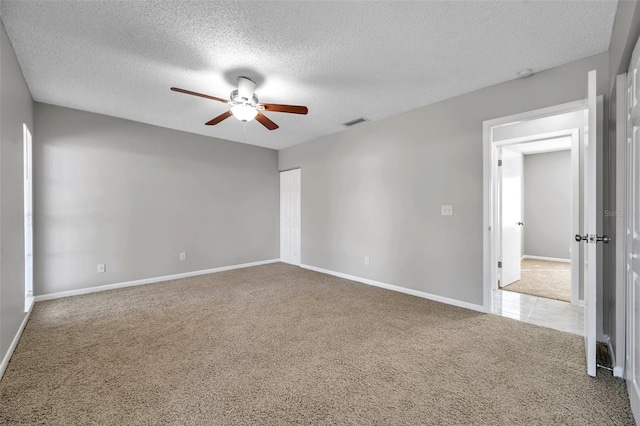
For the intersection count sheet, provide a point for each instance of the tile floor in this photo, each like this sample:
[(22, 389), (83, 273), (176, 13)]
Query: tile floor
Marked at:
[(550, 313)]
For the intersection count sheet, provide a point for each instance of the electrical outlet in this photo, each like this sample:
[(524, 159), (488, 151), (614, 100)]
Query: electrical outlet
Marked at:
[(446, 210), (367, 261), (183, 255), (102, 267)]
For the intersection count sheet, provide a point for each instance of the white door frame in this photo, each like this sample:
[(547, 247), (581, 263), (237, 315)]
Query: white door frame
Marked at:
[(490, 194), (28, 216), (621, 247), (574, 134)]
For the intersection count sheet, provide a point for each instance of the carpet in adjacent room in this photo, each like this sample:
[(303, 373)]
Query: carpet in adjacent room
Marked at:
[(544, 278)]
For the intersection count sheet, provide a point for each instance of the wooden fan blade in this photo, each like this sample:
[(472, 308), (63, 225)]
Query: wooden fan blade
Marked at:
[(264, 120), (293, 109), (189, 92), (219, 118)]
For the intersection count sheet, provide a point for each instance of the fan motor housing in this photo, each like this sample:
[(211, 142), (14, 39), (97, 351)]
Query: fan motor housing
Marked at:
[(236, 99)]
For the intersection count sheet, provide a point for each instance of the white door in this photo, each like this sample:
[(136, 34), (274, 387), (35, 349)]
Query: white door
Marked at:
[(632, 369), (290, 217), (512, 220), (28, 217), (590, 216)]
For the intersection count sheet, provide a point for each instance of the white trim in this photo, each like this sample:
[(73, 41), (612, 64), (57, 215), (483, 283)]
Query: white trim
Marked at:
[(399, 289), (14, 343), (538, 113), (549, 259), (88, 290), (620, 238), (538, 137), (488, 236), (634, 400), (28, 303)]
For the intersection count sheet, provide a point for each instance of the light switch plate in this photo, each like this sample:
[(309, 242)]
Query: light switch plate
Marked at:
[(446, 210)]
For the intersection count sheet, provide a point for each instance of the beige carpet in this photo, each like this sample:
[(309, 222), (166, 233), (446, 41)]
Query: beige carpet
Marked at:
[(545, 279), (277, 344)]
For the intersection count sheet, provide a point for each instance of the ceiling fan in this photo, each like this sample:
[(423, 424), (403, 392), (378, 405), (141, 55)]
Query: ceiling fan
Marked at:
[(245, 106)]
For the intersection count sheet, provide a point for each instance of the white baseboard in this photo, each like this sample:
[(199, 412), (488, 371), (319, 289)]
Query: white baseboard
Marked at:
[(88, 290), (14, 343), (399, 289), (550, 259), (634, 400)]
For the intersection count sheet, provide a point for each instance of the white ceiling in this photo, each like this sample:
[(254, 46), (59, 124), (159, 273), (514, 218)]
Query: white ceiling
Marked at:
[(342, 59)]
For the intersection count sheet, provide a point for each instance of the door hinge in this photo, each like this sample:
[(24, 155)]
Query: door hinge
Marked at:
[(499, 163), (499, 264)]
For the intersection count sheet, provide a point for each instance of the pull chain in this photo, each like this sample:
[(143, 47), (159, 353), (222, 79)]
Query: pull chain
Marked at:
[(244, 128)]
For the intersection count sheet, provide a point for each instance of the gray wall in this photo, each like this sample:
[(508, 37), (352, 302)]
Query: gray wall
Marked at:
[(16, 108), (547, 204), (376, 189), (134, 196), (626, 30)]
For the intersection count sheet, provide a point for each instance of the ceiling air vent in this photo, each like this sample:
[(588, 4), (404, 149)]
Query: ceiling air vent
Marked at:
[(354, 122)]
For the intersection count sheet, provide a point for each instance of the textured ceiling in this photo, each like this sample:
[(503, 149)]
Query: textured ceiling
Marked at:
[(341, 59)]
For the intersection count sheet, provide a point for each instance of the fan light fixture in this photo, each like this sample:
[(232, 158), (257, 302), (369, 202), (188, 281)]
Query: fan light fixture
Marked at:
[(244, 112), (243, 105)]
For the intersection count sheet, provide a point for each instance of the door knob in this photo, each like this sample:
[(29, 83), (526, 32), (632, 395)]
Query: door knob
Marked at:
[(592, 238), (520, 223)]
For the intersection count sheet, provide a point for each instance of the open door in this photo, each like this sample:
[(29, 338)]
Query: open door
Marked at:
[(589, 236), (511, 215)]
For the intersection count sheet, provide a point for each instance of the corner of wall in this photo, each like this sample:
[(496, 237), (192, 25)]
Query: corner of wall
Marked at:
[(16, 104)]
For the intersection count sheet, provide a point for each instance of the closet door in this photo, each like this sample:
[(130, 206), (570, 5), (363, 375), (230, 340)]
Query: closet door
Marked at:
[(290, 216), (633, 233)]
